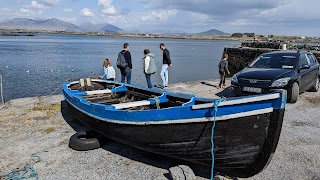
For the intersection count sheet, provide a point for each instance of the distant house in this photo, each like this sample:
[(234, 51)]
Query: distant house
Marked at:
[(302, 37)]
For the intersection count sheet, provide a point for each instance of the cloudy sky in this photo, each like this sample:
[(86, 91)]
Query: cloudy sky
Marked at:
[(278, 17)]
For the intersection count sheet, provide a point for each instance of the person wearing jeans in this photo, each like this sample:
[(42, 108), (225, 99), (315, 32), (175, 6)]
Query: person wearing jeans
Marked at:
[(166, 63), (126, 72), (164, 75), (149, 66), (148, 78)]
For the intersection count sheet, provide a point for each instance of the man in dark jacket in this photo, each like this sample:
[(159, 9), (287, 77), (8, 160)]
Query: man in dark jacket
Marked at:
[(166, 63), (126, 72)]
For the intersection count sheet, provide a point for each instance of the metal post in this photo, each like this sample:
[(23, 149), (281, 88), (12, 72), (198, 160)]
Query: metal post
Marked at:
[(1, 91)]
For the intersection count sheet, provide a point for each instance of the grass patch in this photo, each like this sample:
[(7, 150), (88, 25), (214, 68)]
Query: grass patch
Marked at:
[(50, 115), (52, 107), (49, 130), (8, 115)]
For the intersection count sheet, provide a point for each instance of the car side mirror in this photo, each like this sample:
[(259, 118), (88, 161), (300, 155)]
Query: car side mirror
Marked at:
[(305, 66)]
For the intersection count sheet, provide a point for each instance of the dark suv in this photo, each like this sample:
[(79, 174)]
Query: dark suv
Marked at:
[(295, 71)]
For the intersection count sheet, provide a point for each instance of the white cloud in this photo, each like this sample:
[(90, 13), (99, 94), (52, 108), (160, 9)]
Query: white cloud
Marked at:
[(55, 2), (44, 4), (161, 20), (158, 15), (50, 3), (68, 10), (36, 8), (27, 12), (37, 5), (107, 7), (87, 12)]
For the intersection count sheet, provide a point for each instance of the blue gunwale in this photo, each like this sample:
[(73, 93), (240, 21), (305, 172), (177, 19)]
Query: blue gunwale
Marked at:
[(107, 113)]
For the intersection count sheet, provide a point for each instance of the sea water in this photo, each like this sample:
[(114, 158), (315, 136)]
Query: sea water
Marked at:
[(38, 65)]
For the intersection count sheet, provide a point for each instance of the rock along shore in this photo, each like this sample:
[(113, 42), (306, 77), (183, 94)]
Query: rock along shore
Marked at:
[(31, 125)]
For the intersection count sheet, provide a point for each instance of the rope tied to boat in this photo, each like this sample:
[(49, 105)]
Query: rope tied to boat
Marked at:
[(215, 110), (157, 102), (28, 171)]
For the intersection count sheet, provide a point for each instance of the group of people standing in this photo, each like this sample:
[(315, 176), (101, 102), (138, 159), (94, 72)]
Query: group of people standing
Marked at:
[(150, 68), (124, 63)]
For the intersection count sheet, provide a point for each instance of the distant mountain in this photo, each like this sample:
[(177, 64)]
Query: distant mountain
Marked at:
[(174, 33), (88, 26), (182, 33), (52, 24), (111, 28), (212, 32)]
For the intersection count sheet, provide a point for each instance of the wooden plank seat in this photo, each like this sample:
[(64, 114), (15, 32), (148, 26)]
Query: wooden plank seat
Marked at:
[(104, 91), (160, 99), (107, 91)]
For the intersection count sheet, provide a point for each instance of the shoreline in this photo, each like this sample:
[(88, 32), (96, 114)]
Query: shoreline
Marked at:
[(8, 32), (34, 124)]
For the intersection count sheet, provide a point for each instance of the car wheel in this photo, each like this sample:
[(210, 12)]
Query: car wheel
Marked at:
[(293, 93), (315, 87)]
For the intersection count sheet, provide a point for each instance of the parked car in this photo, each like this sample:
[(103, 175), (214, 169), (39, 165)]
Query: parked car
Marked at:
[(295, 71)]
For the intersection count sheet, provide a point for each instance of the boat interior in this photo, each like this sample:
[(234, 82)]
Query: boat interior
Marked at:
[(125, 96)]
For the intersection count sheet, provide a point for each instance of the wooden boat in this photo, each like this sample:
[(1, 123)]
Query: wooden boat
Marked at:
[(179, 125)]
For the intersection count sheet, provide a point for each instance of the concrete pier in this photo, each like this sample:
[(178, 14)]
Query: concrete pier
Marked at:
[(35, 124)]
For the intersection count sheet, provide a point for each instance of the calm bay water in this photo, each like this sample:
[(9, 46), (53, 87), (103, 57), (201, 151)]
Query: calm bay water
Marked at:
[(38, 65)]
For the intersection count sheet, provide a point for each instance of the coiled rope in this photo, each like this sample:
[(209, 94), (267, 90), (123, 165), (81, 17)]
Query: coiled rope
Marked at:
[(215, 109), (28, 171)]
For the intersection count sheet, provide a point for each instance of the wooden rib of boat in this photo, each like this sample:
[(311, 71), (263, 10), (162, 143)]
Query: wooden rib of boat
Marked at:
[(179, 125)]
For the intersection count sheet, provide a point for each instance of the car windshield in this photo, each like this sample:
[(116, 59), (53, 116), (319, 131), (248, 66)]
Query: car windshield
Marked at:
[(279, 61)]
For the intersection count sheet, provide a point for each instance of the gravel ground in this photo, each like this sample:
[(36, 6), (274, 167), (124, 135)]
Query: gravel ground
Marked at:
[(31, 125)]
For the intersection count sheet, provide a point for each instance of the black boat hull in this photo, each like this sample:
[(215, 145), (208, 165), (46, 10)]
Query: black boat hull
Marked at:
[(243, 146)]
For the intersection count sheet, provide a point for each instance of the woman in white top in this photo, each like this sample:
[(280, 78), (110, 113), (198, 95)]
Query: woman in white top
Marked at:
[(149, 66), (109, 72)]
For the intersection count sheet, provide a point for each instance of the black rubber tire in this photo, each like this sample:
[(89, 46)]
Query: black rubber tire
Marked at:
[(86, 140), (315, 87), (293, 93)]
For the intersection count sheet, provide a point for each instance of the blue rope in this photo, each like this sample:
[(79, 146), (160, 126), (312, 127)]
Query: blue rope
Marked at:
[(26, 172), (215, 106)]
